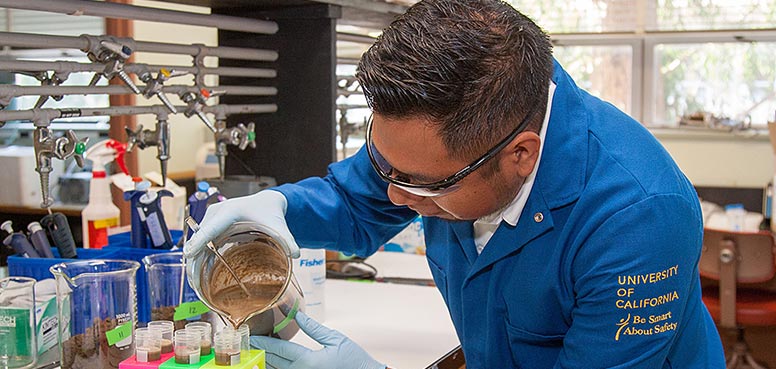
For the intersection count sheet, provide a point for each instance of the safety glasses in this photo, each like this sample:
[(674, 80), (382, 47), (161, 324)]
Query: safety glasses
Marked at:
[(439, 188)]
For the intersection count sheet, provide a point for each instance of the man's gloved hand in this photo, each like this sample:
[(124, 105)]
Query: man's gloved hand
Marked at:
[(338, 351), (267, 208)]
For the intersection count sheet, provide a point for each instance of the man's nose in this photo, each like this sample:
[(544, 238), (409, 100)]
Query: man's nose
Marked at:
[(402, 198)]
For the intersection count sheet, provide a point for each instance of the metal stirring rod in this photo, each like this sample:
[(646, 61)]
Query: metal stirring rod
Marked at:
[(195, 227)]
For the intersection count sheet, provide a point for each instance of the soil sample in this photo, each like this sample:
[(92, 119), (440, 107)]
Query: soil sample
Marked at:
[(205, 348), (167, 313), (152, 355), (227, 358), (90, 350), (183, 359)]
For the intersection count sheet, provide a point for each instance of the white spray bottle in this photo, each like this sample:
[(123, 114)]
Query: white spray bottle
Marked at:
[(100, 214)]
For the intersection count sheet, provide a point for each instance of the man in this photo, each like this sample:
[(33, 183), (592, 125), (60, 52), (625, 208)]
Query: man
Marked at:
[(558, 230)]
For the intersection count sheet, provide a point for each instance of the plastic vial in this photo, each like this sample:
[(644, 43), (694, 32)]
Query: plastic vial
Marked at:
[(245, 339), (148, 345), (227, 346), (187, 346), (166, 328), (735, 214), (206, 332)]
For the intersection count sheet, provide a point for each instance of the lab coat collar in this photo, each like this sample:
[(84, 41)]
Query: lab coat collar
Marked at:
[(561, 175), (559, 179)]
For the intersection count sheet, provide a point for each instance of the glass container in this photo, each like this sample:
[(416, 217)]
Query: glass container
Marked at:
[(97, 310), (262, 263)]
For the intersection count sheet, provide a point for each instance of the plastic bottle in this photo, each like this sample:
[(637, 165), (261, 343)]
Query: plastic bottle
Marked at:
[(735, 214), (40, 240), (199, 201), (100, 213), (148, 345), (226, 345), (187, 347), (310, 271)]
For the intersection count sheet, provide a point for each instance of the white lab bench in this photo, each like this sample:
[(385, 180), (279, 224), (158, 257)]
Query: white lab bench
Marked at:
[(403, 326)]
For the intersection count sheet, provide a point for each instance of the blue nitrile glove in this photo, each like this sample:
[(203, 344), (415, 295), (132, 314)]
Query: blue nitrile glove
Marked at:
[(266, 209), (338, 351)]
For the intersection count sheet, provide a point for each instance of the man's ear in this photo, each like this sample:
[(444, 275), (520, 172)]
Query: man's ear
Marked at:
[(523, 153)]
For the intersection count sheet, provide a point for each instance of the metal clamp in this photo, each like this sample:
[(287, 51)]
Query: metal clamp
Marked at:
[(47, 147), (154, 86), (195, 102), (113, 55), (241, 136), (148, 138)]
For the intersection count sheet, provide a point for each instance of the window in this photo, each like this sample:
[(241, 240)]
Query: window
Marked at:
[(659, 60), (604, 71), (731, 80)]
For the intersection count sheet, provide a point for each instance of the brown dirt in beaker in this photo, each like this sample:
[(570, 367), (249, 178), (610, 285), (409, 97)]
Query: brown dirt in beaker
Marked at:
[(167, 313), (90, 349)]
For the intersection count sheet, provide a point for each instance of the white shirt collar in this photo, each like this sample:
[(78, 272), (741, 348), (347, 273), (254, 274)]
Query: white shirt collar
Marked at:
[(511, 214)]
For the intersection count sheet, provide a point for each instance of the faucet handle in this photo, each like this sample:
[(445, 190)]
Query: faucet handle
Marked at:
[(71, 146), (165, 74), (246, 135), (133, 137)]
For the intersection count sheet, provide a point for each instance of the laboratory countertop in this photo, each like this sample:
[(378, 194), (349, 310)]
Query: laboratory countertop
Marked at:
[(403, 326)]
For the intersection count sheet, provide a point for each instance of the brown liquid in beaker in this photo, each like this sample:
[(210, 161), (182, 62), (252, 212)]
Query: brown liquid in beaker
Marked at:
[(204, 348), (166, 346), (225, 358), (261, 267), (233, 301), (183, 359)]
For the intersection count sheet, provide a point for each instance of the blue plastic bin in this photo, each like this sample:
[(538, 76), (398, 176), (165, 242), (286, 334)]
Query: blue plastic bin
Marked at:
[(38, 268), (119, 244)]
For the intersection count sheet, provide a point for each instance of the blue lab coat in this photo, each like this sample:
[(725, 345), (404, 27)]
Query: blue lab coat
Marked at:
[(600, 271)]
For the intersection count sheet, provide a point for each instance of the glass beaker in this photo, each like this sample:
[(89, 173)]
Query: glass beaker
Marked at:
[(18, 344), (164, 272), (262, 263), (97, 307)]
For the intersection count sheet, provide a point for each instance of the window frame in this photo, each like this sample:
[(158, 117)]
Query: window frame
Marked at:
[(644, 68)]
